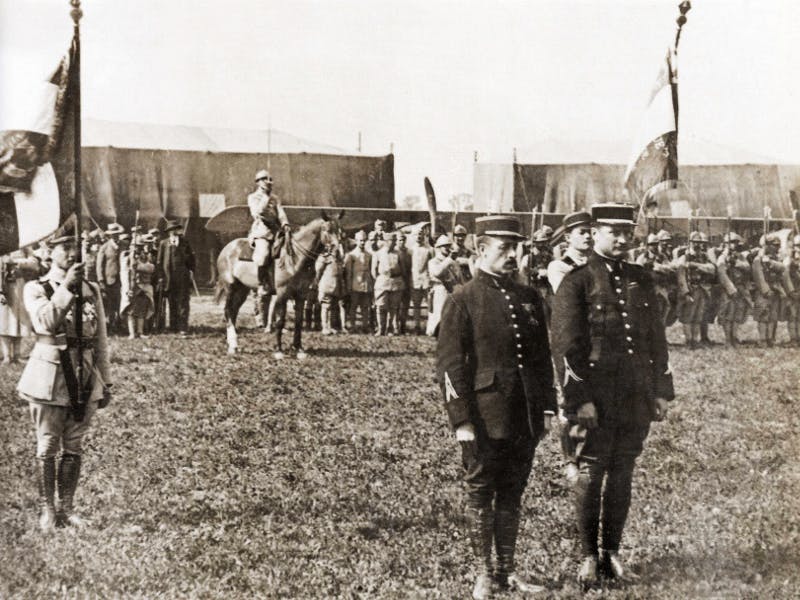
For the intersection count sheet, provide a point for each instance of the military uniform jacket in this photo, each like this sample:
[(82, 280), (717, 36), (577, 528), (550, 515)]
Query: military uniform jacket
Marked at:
[(268, 214), (358, 271), (107, 263), (43, 379), (492, 338), (609, 343)]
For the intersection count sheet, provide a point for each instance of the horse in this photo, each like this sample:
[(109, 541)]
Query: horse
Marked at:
[(294, 272)]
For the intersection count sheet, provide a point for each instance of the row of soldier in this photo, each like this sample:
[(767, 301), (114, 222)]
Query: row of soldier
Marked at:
[(141, 275), (382, 279), (697, 283)]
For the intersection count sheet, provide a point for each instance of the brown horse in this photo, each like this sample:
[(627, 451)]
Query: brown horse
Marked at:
[(294, 272)]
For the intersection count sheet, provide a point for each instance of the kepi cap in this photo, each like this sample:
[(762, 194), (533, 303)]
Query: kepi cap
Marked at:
[(576, 219), (442, 240), (613, 213), (499, 226)]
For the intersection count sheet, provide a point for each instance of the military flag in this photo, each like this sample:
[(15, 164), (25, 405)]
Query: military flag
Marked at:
[(37, 158), (654, 164)]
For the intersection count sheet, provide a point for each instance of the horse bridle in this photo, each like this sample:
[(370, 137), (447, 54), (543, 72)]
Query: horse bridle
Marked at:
[(307, 252)]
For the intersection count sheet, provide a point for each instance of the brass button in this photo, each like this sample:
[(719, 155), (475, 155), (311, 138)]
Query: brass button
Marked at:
[(630, 351), (622, 301), (627, 325), (624, 314)]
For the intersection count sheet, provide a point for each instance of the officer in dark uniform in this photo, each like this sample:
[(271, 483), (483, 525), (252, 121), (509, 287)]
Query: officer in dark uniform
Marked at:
[(494, 365), (611, 354)]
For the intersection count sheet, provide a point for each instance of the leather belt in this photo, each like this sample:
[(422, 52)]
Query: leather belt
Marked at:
[(63, 340)]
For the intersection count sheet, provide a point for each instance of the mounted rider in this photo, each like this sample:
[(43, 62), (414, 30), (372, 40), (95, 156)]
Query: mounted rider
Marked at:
[(268, 218)]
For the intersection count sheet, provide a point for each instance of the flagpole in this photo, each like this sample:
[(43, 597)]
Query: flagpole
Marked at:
[(76, 13)]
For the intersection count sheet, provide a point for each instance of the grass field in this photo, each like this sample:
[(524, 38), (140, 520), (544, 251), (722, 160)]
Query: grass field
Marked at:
[(218, 477)]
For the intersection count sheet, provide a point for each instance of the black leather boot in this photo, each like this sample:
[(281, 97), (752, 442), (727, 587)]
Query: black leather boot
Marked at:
[(506, 528), (480, 524), (46, 468), (69, 469)]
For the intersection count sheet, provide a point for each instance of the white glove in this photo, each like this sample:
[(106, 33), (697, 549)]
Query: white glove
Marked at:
[(465, 432)]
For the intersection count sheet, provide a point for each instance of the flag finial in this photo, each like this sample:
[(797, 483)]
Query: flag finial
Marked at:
[(76, 13)]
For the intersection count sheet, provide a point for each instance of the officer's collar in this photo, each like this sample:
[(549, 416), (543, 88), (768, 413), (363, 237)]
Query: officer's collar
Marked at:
[(609, 262), (493, 280)]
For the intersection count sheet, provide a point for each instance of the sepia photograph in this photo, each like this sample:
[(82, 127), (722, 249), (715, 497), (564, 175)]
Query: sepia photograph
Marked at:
[(400, 299)]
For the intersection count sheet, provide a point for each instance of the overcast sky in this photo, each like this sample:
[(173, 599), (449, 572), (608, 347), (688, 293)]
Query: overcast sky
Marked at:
[(438, 79)]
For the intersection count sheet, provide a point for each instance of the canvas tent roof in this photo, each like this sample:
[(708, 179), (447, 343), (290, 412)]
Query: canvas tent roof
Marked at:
[(692, 150), (98, 133)]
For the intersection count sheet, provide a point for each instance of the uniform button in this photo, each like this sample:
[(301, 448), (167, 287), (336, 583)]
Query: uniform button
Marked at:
[(618, 290), (622, 301), (516, 326), (503, 290), (616, 277), (599, 306), (508, 297), (513, 316), (629, 338), (519, 366), (630, 350), (624, 314), (627, 325), (519, 346), (518, 336), (511, 306)]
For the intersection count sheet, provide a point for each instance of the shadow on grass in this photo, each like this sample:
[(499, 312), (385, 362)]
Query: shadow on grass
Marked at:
[(360, 353)]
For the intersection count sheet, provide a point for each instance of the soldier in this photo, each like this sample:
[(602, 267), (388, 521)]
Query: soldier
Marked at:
[(175, 264), (388, 275), (793, 312), (733, 272), (611, 354), (136, 274), (695, 273), (420, 280), (463, 256), (107, 269), (444, 276), (770, 279), (15, 270), (496, 374), (533, 267), (379, 233), (329, 284), (268, 217), (404, 253), (358, 281), (578, 233), (49, 381)]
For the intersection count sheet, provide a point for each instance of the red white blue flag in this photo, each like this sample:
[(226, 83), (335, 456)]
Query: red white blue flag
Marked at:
[(37, 181), (654, 164)]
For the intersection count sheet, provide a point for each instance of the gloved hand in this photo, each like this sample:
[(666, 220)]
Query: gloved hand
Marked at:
[(661, 409), (587, 415), (465, 432)]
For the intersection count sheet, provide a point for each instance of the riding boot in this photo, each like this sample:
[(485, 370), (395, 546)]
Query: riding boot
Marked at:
[(131, 327), (69, 469), (480, 524), (616, 502), (46, 468), (506, 526), (382, 317), (325, 309), (587, 504), (772, 332)]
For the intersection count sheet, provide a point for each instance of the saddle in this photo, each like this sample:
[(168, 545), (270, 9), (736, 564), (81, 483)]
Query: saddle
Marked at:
[(281, 243)]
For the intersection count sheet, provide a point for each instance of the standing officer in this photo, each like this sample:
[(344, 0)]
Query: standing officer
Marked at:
[(494, 366), (578, 233), (420, 280), (107, 267), (463, 256), (175, 263), (358, 281), (49, 381), (387, 272), (268, 217), (444, 275), (611, 354)]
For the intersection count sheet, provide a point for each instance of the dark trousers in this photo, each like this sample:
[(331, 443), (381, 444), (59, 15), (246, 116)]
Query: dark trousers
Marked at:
[(178, 300), (496, 472), (609, 456), (111, 300)]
